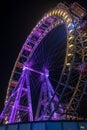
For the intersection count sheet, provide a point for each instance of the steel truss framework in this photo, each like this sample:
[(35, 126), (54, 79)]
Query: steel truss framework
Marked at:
[(52, 104)]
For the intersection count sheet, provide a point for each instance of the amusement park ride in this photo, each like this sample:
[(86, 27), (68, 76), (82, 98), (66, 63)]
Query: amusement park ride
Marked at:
[(54, 103)]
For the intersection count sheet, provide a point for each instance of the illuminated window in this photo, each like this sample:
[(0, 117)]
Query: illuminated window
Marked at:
[(54, 126), (70, 126), (12, 127), (2, 127), (82, 126), (24, 126), (38, 126)]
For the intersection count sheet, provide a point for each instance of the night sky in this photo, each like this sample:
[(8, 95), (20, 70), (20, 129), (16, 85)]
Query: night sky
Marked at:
[(18, 18)]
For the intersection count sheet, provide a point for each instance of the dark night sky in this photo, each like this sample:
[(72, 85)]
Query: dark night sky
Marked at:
[(18, 17)]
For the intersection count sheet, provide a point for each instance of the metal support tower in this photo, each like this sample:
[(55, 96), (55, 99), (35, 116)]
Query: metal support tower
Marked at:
[(19, 104), (46, 94)]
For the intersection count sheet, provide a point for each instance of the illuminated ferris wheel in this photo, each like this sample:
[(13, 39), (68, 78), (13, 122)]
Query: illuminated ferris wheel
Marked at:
[(49, 77)]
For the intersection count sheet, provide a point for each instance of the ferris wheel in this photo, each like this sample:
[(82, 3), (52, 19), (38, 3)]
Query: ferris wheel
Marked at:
[(49, 77)]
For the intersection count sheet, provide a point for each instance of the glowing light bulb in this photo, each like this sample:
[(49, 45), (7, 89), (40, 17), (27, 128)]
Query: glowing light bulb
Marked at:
[(71, 37), (82, 127), (68, 64), (71, 45), (69, 54)]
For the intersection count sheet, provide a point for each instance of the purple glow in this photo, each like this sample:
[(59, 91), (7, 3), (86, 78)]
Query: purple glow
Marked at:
[(46, 72), (50, 19), (33, 70)]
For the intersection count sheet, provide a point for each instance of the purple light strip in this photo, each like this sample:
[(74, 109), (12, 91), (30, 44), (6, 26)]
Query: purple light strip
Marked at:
[(23, 108), (30, 112), (36, 71)]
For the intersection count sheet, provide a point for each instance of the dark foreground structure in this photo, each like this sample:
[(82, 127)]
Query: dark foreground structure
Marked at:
[(64, 125)]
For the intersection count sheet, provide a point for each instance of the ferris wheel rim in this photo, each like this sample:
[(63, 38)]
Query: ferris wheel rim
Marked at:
[(54, 13)]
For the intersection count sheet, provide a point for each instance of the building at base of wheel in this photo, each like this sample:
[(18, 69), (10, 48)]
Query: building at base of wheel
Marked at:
[(47, 125)]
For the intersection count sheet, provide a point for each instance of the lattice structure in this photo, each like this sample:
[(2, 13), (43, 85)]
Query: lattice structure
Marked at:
[(63, 101)]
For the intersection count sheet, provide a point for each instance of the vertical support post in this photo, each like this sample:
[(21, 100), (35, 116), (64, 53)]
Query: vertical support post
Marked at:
[(42, 101), (30, 113), (18, 96)]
